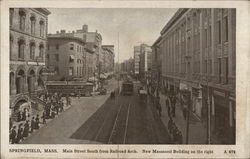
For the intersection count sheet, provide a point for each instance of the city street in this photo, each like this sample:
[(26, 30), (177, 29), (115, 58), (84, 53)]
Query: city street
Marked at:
[(99, 119)]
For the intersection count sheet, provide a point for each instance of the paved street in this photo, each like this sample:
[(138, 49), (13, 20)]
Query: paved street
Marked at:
[(99, 119)]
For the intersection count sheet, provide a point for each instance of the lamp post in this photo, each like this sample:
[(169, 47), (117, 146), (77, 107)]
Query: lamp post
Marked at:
[(188, 58), (208, 111)]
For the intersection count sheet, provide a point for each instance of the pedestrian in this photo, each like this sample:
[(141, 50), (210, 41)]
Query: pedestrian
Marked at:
[(11, 124), (37, 122), (173, 105), (57, 108), (179, 137), (168, 107), (44, 117), (13, 135), (32, 125), (19, 116), (170, 125), (26, 129), (24, 115), (158, 105), (19, 133), (61, 105)]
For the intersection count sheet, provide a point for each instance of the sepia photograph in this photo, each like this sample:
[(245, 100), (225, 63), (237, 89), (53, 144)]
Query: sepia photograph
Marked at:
[(122, 76)]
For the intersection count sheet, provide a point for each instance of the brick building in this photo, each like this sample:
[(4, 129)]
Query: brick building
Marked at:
[(28, 33), (66, 56), (198, 55)]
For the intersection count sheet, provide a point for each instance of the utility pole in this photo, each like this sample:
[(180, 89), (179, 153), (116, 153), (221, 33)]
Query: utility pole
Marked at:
[(118, 66), (188, 113)]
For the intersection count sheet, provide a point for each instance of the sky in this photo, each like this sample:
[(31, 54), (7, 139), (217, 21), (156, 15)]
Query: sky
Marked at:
[(134, 26)]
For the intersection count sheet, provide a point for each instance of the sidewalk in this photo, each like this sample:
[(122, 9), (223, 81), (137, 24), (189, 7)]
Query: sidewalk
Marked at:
[(197, 131)]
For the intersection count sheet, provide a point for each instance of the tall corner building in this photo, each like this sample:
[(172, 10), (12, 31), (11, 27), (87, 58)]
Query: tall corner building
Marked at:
[(28, 45)]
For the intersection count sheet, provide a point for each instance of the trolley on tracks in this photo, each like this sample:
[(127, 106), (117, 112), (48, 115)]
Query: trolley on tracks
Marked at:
[(127, 88)]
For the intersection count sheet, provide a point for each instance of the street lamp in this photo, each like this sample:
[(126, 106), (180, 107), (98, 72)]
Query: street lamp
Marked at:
[(188, 58)]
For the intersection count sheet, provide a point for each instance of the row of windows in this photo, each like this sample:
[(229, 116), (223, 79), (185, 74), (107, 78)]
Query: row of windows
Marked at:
[(22, 22), (174, 54), (21, 49)]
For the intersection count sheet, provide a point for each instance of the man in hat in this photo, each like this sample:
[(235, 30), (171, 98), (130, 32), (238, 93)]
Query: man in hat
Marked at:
[(44, 117), (37, 122), (19, 133), (13, 135), (26, 129), (32, 124)]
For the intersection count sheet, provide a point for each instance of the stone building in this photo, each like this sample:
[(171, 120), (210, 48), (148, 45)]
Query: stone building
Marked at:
[(198, 57), (28, 33), (66, 56)]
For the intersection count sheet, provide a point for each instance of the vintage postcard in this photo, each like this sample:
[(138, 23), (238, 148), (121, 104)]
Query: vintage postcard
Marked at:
[(125, 79)]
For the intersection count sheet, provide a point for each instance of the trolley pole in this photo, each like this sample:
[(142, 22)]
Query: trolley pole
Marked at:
[(118, 65)]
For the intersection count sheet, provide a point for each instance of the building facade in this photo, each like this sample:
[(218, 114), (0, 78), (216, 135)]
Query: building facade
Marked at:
[(198, 56), (66, 56), (28, 43), (145, 64), (95, 39), (108, 58), (137, 51)]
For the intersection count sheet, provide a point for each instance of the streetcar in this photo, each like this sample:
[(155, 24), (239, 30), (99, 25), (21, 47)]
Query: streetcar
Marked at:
[(127, 88), (72, 88)]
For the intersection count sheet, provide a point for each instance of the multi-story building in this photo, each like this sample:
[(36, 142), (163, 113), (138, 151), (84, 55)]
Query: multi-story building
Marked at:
[(28, 33), (66, 55), (198, 56), (95, 39), (145, 61), (108, 58), (137, 51)]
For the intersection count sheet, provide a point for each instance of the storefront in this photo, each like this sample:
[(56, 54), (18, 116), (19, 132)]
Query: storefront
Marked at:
[(224, 117)]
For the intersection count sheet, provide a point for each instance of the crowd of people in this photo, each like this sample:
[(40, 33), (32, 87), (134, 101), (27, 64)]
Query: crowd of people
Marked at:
[(53, 106), (171, 100)]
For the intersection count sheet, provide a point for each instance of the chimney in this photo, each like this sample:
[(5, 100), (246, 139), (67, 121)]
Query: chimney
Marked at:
[(85, 28), (73, 31), (63, 31), (57, 32)]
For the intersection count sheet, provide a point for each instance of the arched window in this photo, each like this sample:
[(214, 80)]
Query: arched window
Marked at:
[(21, 46), (41, 23), (41, 50), (22, 16), (11, 46), (32, 24), (11, 16), (32, 50)]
